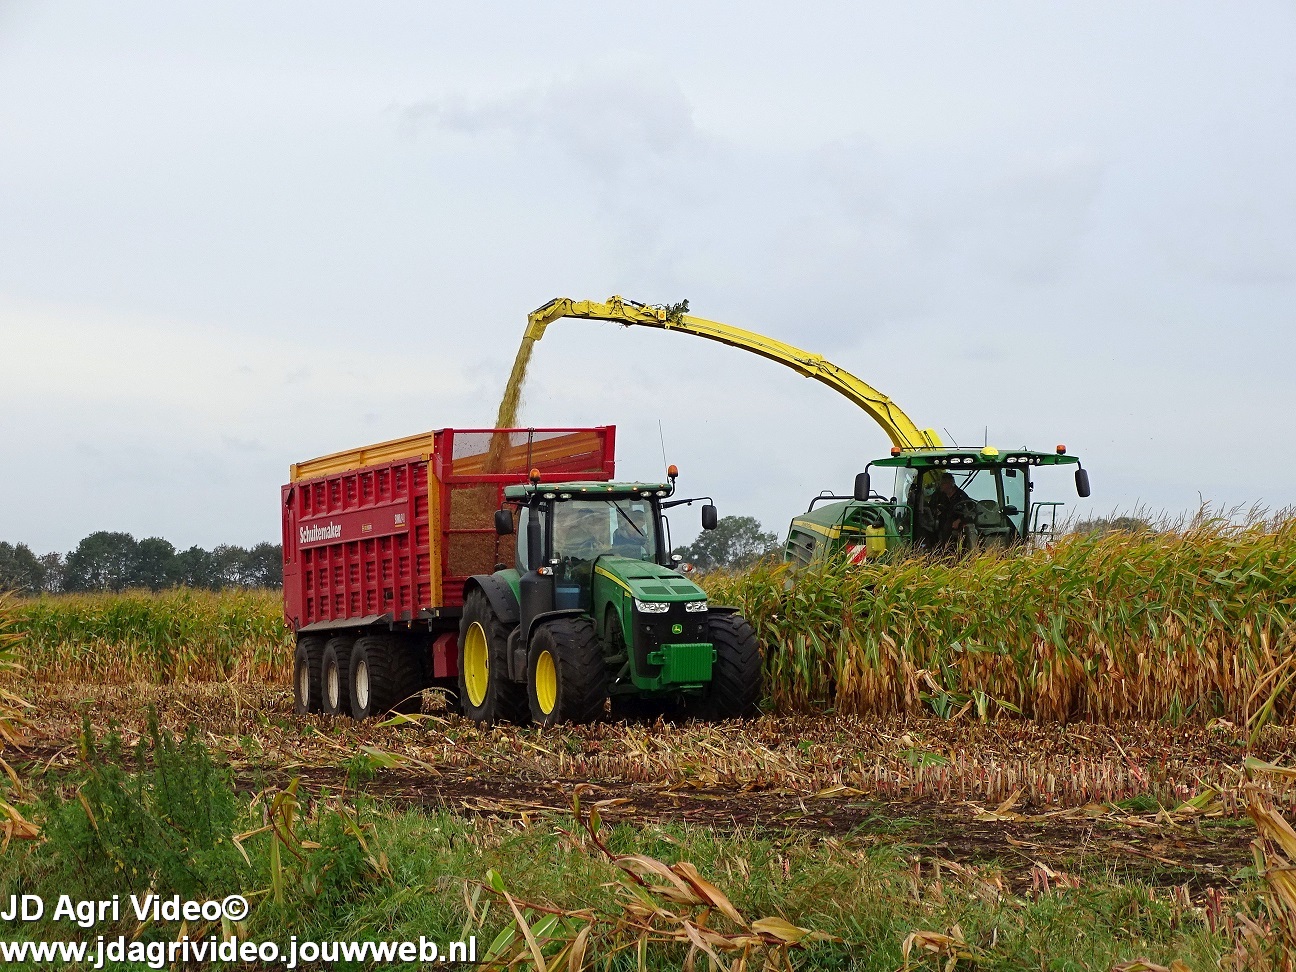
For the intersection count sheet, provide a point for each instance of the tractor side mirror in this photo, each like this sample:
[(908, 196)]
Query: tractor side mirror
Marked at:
[(1082, 482), (863, 488), (710, 518), (503, 522)]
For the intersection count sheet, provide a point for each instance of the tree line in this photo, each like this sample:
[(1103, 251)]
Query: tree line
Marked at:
[(108, 561)]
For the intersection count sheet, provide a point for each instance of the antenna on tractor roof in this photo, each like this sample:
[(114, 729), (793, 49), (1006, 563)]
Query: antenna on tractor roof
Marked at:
[(951, 436), (665, 464)]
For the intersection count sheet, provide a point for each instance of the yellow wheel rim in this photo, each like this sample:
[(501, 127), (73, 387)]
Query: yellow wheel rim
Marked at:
[(476, 663), (546, 682)]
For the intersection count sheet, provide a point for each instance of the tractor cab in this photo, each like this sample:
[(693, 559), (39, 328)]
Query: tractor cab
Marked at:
[(941, 499), (570, 533)]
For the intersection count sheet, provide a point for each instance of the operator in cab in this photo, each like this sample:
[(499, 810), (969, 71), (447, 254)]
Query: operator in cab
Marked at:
[(953, 508), (631, 536)]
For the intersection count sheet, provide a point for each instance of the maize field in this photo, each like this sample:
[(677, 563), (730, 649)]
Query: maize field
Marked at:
[(1189, 624), (1179, 625), (176, 635)]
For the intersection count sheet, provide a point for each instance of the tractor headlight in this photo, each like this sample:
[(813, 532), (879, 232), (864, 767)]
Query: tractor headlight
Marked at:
[(694, 607), (652, 607)]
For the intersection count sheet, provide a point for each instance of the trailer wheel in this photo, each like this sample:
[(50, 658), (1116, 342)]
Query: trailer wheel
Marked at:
[(736, 676), (485, 692), (308, 660), (567, 680), (383, 677), (335, 676)]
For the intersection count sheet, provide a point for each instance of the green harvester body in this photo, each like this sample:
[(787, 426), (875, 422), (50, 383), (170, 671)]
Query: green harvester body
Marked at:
[(999, 509)]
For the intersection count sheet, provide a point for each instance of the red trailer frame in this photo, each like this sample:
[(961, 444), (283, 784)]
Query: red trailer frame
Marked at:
[(387, 534)]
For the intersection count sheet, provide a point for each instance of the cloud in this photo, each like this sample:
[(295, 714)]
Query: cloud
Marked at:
[(611, 122)]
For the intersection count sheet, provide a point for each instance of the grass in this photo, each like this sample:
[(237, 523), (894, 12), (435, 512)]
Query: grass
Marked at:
[(334, 868), (175, 635), (1182, 625)]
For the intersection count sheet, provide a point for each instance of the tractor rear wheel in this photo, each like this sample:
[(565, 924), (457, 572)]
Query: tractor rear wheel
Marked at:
[(335, 676), (567, 680), (383, 677), (485, 692), (308, 660), (736, 675)]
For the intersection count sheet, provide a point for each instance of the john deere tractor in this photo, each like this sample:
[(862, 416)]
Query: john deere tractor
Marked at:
[(598, 607), (950, 499)]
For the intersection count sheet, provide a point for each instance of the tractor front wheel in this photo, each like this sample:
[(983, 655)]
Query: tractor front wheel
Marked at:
[(485, 692), (736, 675), (566, 678)]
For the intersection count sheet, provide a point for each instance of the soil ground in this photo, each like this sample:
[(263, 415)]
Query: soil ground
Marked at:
[(1036, 803)]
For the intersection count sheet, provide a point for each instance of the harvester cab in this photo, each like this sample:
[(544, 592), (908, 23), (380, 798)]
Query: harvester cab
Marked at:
[(951, 499), (596, 607)]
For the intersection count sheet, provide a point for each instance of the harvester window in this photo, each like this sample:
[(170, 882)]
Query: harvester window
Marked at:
[(906, 494)]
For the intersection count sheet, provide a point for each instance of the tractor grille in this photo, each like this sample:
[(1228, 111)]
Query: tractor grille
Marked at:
[(652, 631)]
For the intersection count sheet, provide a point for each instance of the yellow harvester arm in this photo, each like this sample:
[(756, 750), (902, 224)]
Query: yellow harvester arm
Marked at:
[(901, 429)]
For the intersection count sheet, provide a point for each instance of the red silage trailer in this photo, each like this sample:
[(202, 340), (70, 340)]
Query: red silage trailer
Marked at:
[(377, 544)]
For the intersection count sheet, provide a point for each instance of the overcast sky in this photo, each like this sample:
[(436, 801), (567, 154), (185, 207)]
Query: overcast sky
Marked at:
[(238, 235)]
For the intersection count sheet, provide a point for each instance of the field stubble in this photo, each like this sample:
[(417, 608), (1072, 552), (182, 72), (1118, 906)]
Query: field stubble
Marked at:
[(1140, 796)]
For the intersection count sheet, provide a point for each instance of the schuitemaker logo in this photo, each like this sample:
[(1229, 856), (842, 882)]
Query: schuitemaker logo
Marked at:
[(314, 534)]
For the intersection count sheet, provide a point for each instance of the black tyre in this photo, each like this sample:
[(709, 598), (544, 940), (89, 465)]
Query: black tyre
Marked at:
[(485, 692), (567, 680), (335, 676), (736, 675), (308, 660), (383, 677)]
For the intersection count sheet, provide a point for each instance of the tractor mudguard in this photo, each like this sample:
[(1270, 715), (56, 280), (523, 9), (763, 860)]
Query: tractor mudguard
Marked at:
[(549, 616), (721, 609), (520, 641), (498, 593)]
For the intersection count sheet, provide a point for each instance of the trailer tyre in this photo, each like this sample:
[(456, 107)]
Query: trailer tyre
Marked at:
[(485, 692), (335, 677), (567, 680), (383, 677), (736, 675), (308, 661)]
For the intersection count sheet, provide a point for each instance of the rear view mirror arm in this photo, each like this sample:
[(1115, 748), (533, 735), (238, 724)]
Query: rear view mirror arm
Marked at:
[(687, 502)]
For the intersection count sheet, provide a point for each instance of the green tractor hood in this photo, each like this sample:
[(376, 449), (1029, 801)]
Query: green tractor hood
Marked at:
[(647, 581)]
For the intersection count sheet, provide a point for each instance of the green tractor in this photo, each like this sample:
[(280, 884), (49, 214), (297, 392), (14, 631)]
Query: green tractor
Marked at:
[(597, 607), (945, 499)]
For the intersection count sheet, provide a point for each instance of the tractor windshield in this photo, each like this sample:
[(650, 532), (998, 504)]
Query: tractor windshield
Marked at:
[(587, 528)]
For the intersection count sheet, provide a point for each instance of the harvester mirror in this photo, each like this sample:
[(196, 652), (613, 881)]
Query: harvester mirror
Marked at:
[(503, 522), (710, 518), (862, 486), (1082, 482)]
